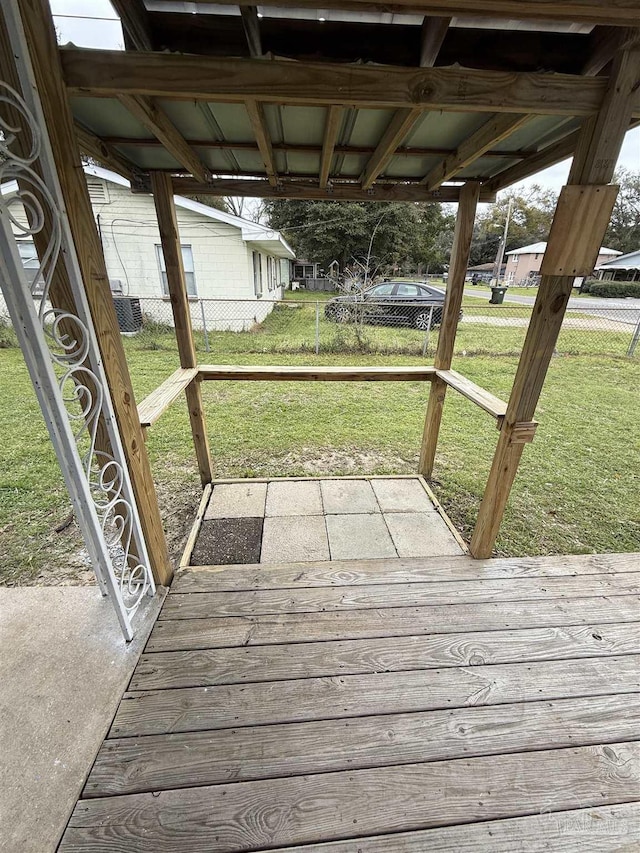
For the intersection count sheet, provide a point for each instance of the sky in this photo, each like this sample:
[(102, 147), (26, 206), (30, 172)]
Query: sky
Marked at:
[(102, 29)]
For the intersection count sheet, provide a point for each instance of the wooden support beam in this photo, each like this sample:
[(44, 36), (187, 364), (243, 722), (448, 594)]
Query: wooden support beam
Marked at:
[(251, 26), (231, 145), (106, 73), (171, 249), (491, 404), (399, 126), (303, 373), (157, 122), (625, 13), (433, 34), (459, 263), (258, 121), (331, 131), (135, 23), (491, 133), (41, 37), (101, 151), (155, 405), (310, 189), (549, 156), (584, 207)]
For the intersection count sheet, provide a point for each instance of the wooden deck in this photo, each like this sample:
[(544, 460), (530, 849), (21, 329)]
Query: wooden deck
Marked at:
[(390, 705)]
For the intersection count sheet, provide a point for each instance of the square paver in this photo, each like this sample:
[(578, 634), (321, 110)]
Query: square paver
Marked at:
[(294, 539), (294, 497), (224, 541), (356, 537), (237, 500), (421, 534), (348, 496), (402, 495)]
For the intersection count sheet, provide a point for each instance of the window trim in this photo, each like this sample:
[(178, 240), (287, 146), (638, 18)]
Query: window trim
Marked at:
[(164, 285)]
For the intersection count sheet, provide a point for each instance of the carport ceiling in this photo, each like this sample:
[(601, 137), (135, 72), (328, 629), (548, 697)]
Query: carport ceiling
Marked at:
[(355, 99)]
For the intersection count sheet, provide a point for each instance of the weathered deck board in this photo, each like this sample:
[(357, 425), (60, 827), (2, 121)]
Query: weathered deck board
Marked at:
[(226, 706), (597, 830), (264, 602), (375, 727), (179, 634), (286, 811), (202, 667), (155, 763), (402, 570)]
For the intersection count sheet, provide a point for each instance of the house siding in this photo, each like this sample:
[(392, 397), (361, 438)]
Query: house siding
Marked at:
[(519, 266), (222, 260)]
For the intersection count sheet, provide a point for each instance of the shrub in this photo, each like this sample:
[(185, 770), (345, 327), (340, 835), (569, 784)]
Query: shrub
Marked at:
[(613, 289)]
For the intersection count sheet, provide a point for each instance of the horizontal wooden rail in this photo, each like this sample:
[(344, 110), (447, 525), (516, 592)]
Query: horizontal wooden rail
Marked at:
[(159, 400), (294, 373), (487, 401)]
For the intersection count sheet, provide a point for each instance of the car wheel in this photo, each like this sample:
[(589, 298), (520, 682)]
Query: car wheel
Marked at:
[(421, 320), (342, 314)]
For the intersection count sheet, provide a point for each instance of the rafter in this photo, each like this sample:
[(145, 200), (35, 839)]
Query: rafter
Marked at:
[(188, 77), (474, 146), (399, 126), (331, 131), (158, 123), (311, 190), (261, 132), (135, 22), (549, 156), (433, 34), (625, 13), (251, 26), (101, 151), (605, 42)]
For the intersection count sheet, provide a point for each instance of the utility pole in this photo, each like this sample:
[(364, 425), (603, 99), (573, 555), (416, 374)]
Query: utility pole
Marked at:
[(503, 245)]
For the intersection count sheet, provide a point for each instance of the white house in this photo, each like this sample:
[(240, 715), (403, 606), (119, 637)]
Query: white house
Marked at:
[(241, 265), (624, 268)]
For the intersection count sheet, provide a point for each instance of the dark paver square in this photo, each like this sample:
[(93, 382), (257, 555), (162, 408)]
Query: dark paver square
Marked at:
[(223, 541)]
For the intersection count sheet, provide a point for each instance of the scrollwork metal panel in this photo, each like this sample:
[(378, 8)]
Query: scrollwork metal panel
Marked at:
[(61, 350)]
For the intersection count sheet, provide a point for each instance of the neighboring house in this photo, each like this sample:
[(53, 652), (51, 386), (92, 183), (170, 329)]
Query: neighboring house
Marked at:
[(523, 265), (241, 265), (485, 272), (623, 268), (310, 276)]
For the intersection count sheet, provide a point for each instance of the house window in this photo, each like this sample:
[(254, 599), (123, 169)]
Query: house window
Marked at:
[(269, 272), (187, 263), (31, 265), (257, 274)]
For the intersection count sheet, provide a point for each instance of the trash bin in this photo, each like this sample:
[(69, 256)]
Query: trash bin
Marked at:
[(497, 295)]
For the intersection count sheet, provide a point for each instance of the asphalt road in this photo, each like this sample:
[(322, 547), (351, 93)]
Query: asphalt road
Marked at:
[(620, 310)]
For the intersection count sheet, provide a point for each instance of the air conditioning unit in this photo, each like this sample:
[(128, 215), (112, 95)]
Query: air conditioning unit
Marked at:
[(129, 314)]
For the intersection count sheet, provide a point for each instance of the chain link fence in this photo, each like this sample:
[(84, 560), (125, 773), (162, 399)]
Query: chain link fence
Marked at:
[(334, 326), (331, 325)]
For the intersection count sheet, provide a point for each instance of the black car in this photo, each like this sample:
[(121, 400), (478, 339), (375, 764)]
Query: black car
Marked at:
[(403, 303)]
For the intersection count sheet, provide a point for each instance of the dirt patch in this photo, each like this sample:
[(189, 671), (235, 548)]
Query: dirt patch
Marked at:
[(225, 541), (343, 462)]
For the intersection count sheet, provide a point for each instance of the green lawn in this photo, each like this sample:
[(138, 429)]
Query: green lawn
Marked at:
[(577, 490)]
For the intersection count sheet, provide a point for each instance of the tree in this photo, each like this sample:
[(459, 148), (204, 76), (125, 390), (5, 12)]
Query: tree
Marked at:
[(623, 232), (406, 233), (530, 223)]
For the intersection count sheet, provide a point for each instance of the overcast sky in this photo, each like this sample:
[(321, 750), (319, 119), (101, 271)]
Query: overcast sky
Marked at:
[(102, 29)]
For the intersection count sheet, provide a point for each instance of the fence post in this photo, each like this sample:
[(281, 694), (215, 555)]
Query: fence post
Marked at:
[(426, 337), (204, 326), (634, 339), (317, 328)]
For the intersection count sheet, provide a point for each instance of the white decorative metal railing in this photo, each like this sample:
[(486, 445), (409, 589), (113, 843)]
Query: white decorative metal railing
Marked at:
[(60, 347)]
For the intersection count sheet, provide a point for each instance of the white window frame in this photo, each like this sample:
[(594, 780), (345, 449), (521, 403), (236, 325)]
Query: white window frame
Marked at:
[(189, 270), (257, 274)]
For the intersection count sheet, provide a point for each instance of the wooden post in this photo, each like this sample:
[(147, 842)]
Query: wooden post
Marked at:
[(578, 228), (43, 49), (469, 195), (169, 237)]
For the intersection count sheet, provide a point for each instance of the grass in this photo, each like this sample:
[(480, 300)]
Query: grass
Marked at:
[(576, 491)]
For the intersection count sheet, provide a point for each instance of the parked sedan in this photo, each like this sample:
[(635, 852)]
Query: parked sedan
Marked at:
[(398, 303)]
